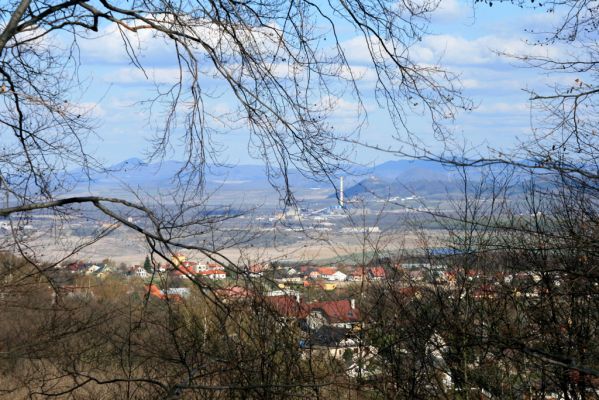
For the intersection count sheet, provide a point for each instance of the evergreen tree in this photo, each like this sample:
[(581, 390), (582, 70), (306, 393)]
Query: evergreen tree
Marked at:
[(148, 265)]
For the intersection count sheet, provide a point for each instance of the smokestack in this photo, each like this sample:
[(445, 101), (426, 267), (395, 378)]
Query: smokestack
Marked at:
[(341, 192)]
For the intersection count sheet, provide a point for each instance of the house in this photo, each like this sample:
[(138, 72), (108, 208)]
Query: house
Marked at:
[(376, 273), (314, 275), (327, 273), (287, 306), (179, 291), (104, 271), (285, 276), (176, 294), (194, 267), (233, 293), (75, 267), (305, 269), (213, 274), (162, 267), (338, 313), (139, 271), (153, 290), (357, 275), (256, 270), (181, 269), (202, 266), (190, 266), (92, 269), (214, 266), (338, 276), (409, 266)]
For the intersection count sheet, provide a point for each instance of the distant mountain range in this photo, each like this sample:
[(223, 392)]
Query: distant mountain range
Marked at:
[(404, 178), (226, 182), (389, 179)]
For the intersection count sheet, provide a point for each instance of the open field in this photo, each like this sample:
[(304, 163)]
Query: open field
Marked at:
[(124, 246)]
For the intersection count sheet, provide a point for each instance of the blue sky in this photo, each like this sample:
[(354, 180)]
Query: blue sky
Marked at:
[(463, 37)]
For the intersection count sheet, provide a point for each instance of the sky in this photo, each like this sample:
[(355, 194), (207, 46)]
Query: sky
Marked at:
[(462, 37)]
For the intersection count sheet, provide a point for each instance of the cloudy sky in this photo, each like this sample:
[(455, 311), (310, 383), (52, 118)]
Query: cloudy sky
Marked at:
[(463, 38)]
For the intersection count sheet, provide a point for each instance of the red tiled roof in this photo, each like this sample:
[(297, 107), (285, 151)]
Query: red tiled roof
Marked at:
[(287, 306), (327, 270), (156, 292), (234, 292), (337, 311), (75, 266), (377, 272), (189, 263), (214, 265), (257, 268), (212, 272), (183, 270)]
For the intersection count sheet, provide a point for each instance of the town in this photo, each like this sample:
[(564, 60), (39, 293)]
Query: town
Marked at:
[(326, 302)]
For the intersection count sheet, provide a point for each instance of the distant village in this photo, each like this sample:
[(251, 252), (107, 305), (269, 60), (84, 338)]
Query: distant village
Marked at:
[(324, 301)]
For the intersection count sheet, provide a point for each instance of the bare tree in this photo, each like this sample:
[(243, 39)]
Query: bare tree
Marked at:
[(273, 58), (284, 65), (517, 315), (284, 76)]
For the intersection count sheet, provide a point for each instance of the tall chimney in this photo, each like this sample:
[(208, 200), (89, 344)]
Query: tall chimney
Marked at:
[(341, 192)]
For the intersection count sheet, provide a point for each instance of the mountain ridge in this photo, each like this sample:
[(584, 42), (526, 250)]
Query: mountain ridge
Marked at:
[(390, 178)]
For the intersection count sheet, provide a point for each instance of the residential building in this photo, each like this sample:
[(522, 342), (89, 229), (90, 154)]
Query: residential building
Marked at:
[(376, 273), (338, 313)]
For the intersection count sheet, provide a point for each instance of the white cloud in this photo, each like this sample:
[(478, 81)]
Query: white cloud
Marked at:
[(133, 75), (472, 84), (541, 19), (90, 109), (356, 50), (451, 11), (340, 107), (359, 73), (504, 107), (457, 50), (109, 46)]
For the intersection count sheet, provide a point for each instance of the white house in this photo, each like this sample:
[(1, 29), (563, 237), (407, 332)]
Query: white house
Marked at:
[(201, 266), (337, 276), (180, 291), (357, 275), (214, 274), (140, 272)]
